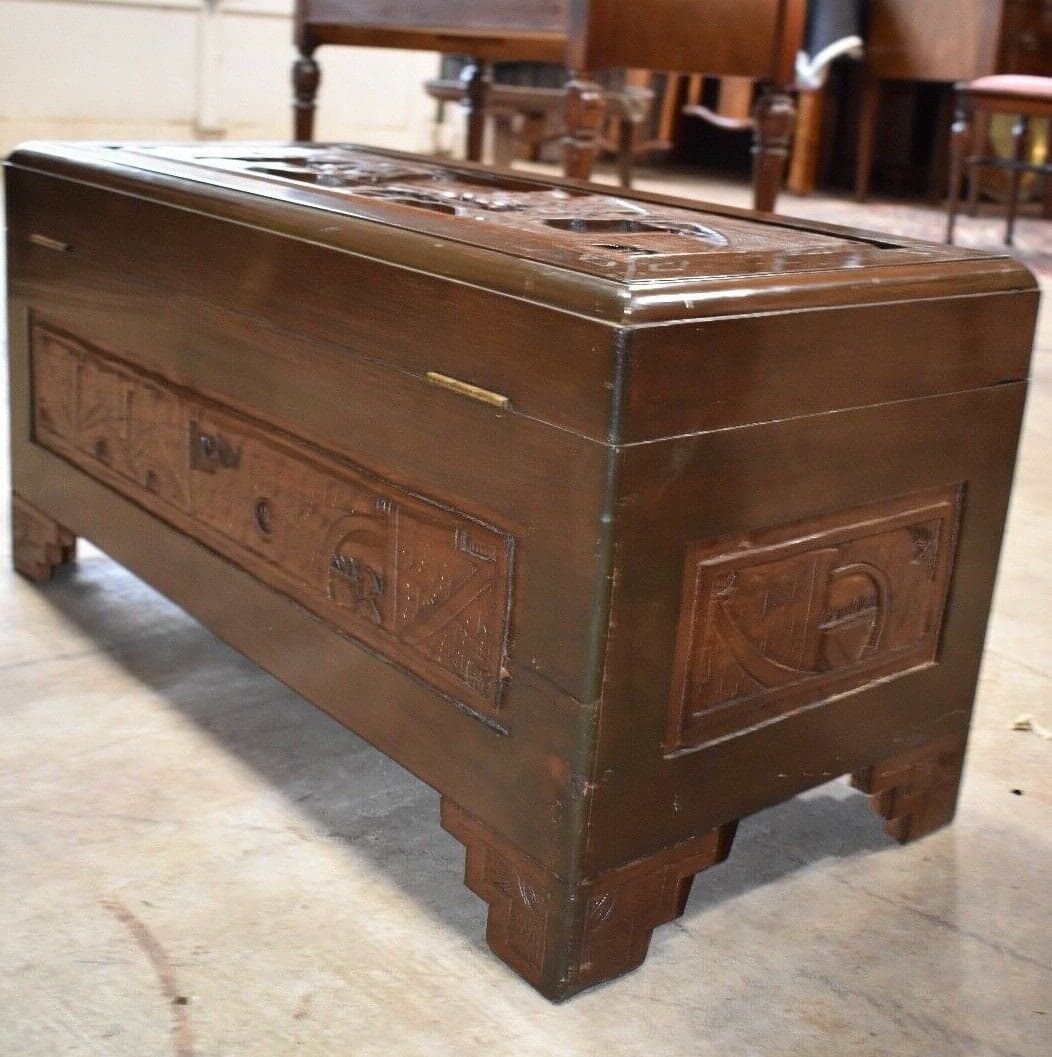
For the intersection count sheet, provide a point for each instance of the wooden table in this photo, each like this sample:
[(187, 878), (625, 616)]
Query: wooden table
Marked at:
[(749, 38)]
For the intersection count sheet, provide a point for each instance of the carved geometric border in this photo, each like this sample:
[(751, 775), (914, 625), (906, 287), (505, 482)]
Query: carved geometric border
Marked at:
[(423, 584), (779, 620)]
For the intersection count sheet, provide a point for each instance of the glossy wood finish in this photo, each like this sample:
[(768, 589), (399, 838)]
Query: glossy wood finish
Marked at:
[(947, 41), (453, 455), (743, 38)]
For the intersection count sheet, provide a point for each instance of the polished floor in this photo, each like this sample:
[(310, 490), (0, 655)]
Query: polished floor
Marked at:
[(195, 862)]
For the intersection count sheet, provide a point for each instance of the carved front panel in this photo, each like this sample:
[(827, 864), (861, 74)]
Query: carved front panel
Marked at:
[(784, 619), (424, 585)]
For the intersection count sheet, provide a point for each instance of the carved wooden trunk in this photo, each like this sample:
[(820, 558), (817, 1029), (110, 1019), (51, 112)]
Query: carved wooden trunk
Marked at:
[(612, 519)]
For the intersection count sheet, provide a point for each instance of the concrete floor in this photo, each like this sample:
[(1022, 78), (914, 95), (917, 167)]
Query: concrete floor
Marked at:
[(194, 861)]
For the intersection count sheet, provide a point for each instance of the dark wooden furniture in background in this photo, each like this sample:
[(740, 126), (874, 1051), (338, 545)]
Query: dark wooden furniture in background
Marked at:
[(627, 109), (612, 517), (746, 38), (947, 41), (1024, 98)]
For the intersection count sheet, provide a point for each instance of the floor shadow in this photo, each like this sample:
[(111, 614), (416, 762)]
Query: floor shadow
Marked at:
[(379, 810)]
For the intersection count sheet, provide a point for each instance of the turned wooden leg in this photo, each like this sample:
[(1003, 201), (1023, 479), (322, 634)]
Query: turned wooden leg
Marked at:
[(564, 936), (960, 149), (475, 79), (775, 123), (39, 544), (306, 76), (585, 110), (915, 793)]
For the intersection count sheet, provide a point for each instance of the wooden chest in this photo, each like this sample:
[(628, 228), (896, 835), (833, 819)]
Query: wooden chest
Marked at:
[(613, 519)]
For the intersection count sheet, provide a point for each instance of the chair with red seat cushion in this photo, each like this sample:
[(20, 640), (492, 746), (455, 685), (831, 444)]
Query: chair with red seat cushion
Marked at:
[(1025, 97)]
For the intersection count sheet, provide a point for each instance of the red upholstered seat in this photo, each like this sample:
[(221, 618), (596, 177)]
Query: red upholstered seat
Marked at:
[(1011, 84)]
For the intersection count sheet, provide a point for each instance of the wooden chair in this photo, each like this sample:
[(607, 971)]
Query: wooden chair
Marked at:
[(1024, 97), (537, 108)]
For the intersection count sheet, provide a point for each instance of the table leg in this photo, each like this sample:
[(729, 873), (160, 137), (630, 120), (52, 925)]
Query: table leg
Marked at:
[(306, 76), (585, 110), (775, 124)]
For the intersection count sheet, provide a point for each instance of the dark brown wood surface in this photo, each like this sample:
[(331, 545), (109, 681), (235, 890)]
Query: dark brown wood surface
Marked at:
[(797, 474)]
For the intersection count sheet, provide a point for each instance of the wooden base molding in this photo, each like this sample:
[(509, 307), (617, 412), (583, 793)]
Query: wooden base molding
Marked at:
[(915, 793), (40, 545), (564, 936)]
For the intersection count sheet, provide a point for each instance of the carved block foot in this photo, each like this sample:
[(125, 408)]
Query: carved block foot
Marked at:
[(916, 793), (564, 936), (40, 544)]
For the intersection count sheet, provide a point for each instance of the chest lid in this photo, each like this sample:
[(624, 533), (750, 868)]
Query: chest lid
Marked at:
[(623, 316), (649, 258)]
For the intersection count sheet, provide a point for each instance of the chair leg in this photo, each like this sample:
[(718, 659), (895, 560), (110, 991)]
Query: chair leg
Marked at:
[(1021, 151), (626, 151), (960, 147), (306, 76), (775, 125), (476, 81), (980, 140), (585, 111), (503, 139)]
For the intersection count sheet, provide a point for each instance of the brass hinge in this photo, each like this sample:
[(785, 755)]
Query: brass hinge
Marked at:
[(49, 243), (473, 392)]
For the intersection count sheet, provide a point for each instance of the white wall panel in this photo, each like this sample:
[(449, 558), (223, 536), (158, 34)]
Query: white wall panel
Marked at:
[(182, 68)]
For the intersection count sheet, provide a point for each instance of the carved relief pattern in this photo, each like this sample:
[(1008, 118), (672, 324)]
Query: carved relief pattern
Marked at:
[(564, 937), (784, 619), (39, 544), (426, 586), (607, 233)]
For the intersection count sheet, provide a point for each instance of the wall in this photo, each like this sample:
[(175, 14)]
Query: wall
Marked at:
[(183, 69)]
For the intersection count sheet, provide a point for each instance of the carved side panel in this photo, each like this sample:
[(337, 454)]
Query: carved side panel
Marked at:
[(784, 619), (424, 585)]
